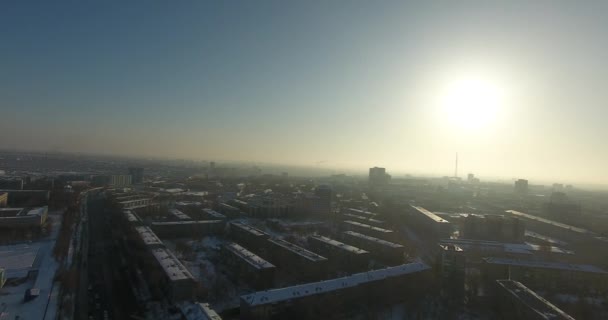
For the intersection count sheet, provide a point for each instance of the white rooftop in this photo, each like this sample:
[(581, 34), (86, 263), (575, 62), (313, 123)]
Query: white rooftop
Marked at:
[(298, 250), (547, 265), (214, 213), (373, 239), (179, 215), (168, 223), (308, 289), (148, 236), (367, 226), (518, 248), (173, 268), (339, 244), (430, 215), (541, 307), (17, 260), (248, 256)]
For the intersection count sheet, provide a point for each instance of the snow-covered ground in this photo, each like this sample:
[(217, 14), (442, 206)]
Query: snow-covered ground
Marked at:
[(12, 305)]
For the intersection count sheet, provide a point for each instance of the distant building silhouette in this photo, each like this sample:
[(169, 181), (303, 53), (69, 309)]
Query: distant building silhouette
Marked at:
[(324, 193), (378, 176), (137, 174), (521, 186)]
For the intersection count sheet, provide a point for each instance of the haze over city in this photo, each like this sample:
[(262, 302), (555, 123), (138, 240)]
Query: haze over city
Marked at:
[(516, 88)]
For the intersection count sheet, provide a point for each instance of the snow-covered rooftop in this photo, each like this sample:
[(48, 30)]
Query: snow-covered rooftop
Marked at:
[(361, 212), (546, 265), (518, 248), (543, 308), (308, 289), (179, 215), (430, 215), (373, 239), (558, 224), (298, 250), (253, 230), (173, 268), (18, 260), (367, 226), (168, 223), (338, 244), (148, 236), (214, 213), (250, 257), (358, 217)]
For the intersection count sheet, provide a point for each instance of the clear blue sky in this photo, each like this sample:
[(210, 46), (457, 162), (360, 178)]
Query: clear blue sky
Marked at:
[(347, 82)]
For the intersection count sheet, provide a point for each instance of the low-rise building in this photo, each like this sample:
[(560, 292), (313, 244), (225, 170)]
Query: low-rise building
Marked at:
[(248, 266), (434, 225), (26, 198), (134, 203), (342, 257), (213, 214), (382, 250), (229, 211), (23, 217), (338, 298), (381, 233), (302, 263), (248, 236), (516, 301), (494, 228), (545, 274), (170, 276)]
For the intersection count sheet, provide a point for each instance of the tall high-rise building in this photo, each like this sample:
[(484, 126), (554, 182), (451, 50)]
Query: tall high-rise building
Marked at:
[(521, 186), (378, 176), (137, 174)]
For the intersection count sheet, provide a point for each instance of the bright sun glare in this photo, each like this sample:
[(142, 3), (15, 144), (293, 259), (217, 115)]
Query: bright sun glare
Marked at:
[(472, 102)]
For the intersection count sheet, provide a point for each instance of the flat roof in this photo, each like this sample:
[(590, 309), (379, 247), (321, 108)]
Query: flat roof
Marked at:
[(179, 215), (539, 236), (363, 212), (169, 223), (519, 248), (17, 258), (172, 267), (551, 222), (148, 236), (134, 200), (429, 214), (546, 265), (252, 230), (214, 213), (227, 206), (207, 312), (367, 226), (540, 306), (363, 218), (321, 287), (248, 256), (188, 203), (298, 250), (131, 217), (340, 245), (373, 239)]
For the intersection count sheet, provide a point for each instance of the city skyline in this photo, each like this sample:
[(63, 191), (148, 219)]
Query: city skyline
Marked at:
[(302, 83)]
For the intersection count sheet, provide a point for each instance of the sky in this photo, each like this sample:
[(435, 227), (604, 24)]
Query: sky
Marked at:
[(342, 84)]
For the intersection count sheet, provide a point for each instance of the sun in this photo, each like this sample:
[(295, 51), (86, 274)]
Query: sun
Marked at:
[(472, 102)]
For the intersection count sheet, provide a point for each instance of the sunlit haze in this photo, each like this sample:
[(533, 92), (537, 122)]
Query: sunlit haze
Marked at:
[(516, 89)]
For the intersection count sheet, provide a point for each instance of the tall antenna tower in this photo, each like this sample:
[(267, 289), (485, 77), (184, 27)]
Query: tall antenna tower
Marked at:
[(456, 167)]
